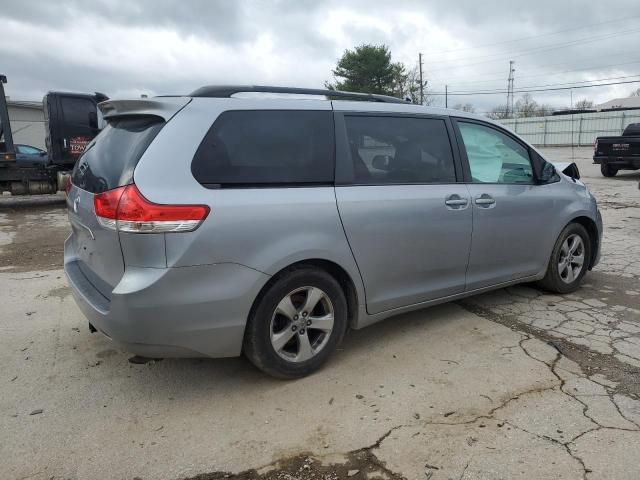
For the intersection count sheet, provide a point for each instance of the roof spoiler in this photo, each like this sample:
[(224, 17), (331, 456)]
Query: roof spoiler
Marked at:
[(163, 107)]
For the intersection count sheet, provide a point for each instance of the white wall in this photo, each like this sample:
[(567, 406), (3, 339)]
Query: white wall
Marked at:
[(578, 129), (27, 125)]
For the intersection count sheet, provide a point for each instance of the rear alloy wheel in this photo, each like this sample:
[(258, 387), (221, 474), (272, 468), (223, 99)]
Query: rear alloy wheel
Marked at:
[(608, 170), (302, 324), (297, 323), (569, 260)]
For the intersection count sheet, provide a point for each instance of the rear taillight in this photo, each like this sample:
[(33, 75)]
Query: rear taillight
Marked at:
[(126, 210), (67, 185)]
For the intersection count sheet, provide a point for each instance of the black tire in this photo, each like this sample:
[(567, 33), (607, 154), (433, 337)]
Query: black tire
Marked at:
[(553, 280), (608, 170), (258, 346)]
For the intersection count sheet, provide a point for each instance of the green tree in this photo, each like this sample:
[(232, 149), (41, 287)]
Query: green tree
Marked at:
[(368, 68)]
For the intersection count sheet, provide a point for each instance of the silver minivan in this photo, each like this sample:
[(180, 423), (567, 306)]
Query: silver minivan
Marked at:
[(260, 221)]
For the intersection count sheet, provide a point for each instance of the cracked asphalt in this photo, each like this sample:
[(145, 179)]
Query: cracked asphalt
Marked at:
[(516, 383)]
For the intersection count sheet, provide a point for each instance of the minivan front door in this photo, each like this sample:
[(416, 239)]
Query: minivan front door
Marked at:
[(511, 239), (407, 220)]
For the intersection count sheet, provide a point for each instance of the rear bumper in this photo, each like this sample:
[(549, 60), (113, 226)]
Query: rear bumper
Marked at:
[(632, 163), (197, 311)]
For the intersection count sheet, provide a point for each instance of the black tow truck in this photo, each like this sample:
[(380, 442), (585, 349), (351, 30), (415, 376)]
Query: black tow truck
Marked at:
[(71, 122), (618, 153)]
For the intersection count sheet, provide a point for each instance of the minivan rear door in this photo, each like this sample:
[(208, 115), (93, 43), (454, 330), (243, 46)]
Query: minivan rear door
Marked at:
[(407, 220), (107, 163)]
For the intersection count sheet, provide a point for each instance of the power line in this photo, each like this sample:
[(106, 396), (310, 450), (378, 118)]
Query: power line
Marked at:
[(534, 36), (583, 69), (554, 84), (507, 55), (502, 92)]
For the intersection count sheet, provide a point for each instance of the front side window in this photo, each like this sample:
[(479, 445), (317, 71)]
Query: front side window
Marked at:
[(495, 157), (399, 150), (268, 147)]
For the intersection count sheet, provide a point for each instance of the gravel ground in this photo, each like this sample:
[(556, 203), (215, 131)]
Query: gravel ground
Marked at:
[(515, 383)]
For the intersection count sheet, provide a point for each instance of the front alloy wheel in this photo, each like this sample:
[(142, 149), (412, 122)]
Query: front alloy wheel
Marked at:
[(571, 260)]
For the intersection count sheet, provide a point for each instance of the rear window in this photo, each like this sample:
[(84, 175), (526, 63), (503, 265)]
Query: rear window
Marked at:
[(76, 110), (109, 160), (263, 148)]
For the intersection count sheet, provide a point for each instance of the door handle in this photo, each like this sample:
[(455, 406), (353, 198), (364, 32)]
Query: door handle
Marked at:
[(485, 201), (456, 202)]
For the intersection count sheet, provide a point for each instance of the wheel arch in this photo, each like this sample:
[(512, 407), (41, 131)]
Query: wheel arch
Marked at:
[(594, 239), (336, 271)]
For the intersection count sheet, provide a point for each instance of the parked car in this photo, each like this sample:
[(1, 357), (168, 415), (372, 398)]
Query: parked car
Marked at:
[(29, 156), (211, 225), (618, 153)]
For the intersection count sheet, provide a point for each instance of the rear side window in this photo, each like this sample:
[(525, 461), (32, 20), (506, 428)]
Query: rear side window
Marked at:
[(262, 148), (399, 150), (109, 160)]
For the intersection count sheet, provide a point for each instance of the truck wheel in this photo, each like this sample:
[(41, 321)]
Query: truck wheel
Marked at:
[(569, 260), (296, 324), (608, 170)]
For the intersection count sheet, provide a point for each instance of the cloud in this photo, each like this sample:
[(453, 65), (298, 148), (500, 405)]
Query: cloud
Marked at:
[(126, 48)]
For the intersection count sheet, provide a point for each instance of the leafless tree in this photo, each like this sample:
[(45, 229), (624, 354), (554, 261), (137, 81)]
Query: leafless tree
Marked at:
[(407, 85), (498, 113), (467, 107), (583, 104), (544, 110), (526, 106)]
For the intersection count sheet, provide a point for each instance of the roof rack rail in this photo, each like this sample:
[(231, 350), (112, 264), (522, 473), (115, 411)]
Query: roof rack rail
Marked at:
[(225, 91)]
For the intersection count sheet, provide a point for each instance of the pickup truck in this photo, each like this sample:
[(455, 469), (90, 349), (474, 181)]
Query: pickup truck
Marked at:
[(618, 153)]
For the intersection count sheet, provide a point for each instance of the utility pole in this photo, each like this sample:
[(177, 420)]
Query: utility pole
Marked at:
[(446, 96), (510, 88), (421, 82)]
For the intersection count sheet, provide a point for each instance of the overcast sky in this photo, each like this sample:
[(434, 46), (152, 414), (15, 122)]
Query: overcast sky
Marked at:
[(126, 47)]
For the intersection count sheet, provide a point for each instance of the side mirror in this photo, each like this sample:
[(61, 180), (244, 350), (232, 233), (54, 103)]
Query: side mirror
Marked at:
[(381, 162), (93, 119), (548, 173), (42, 154), (572, 171)]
